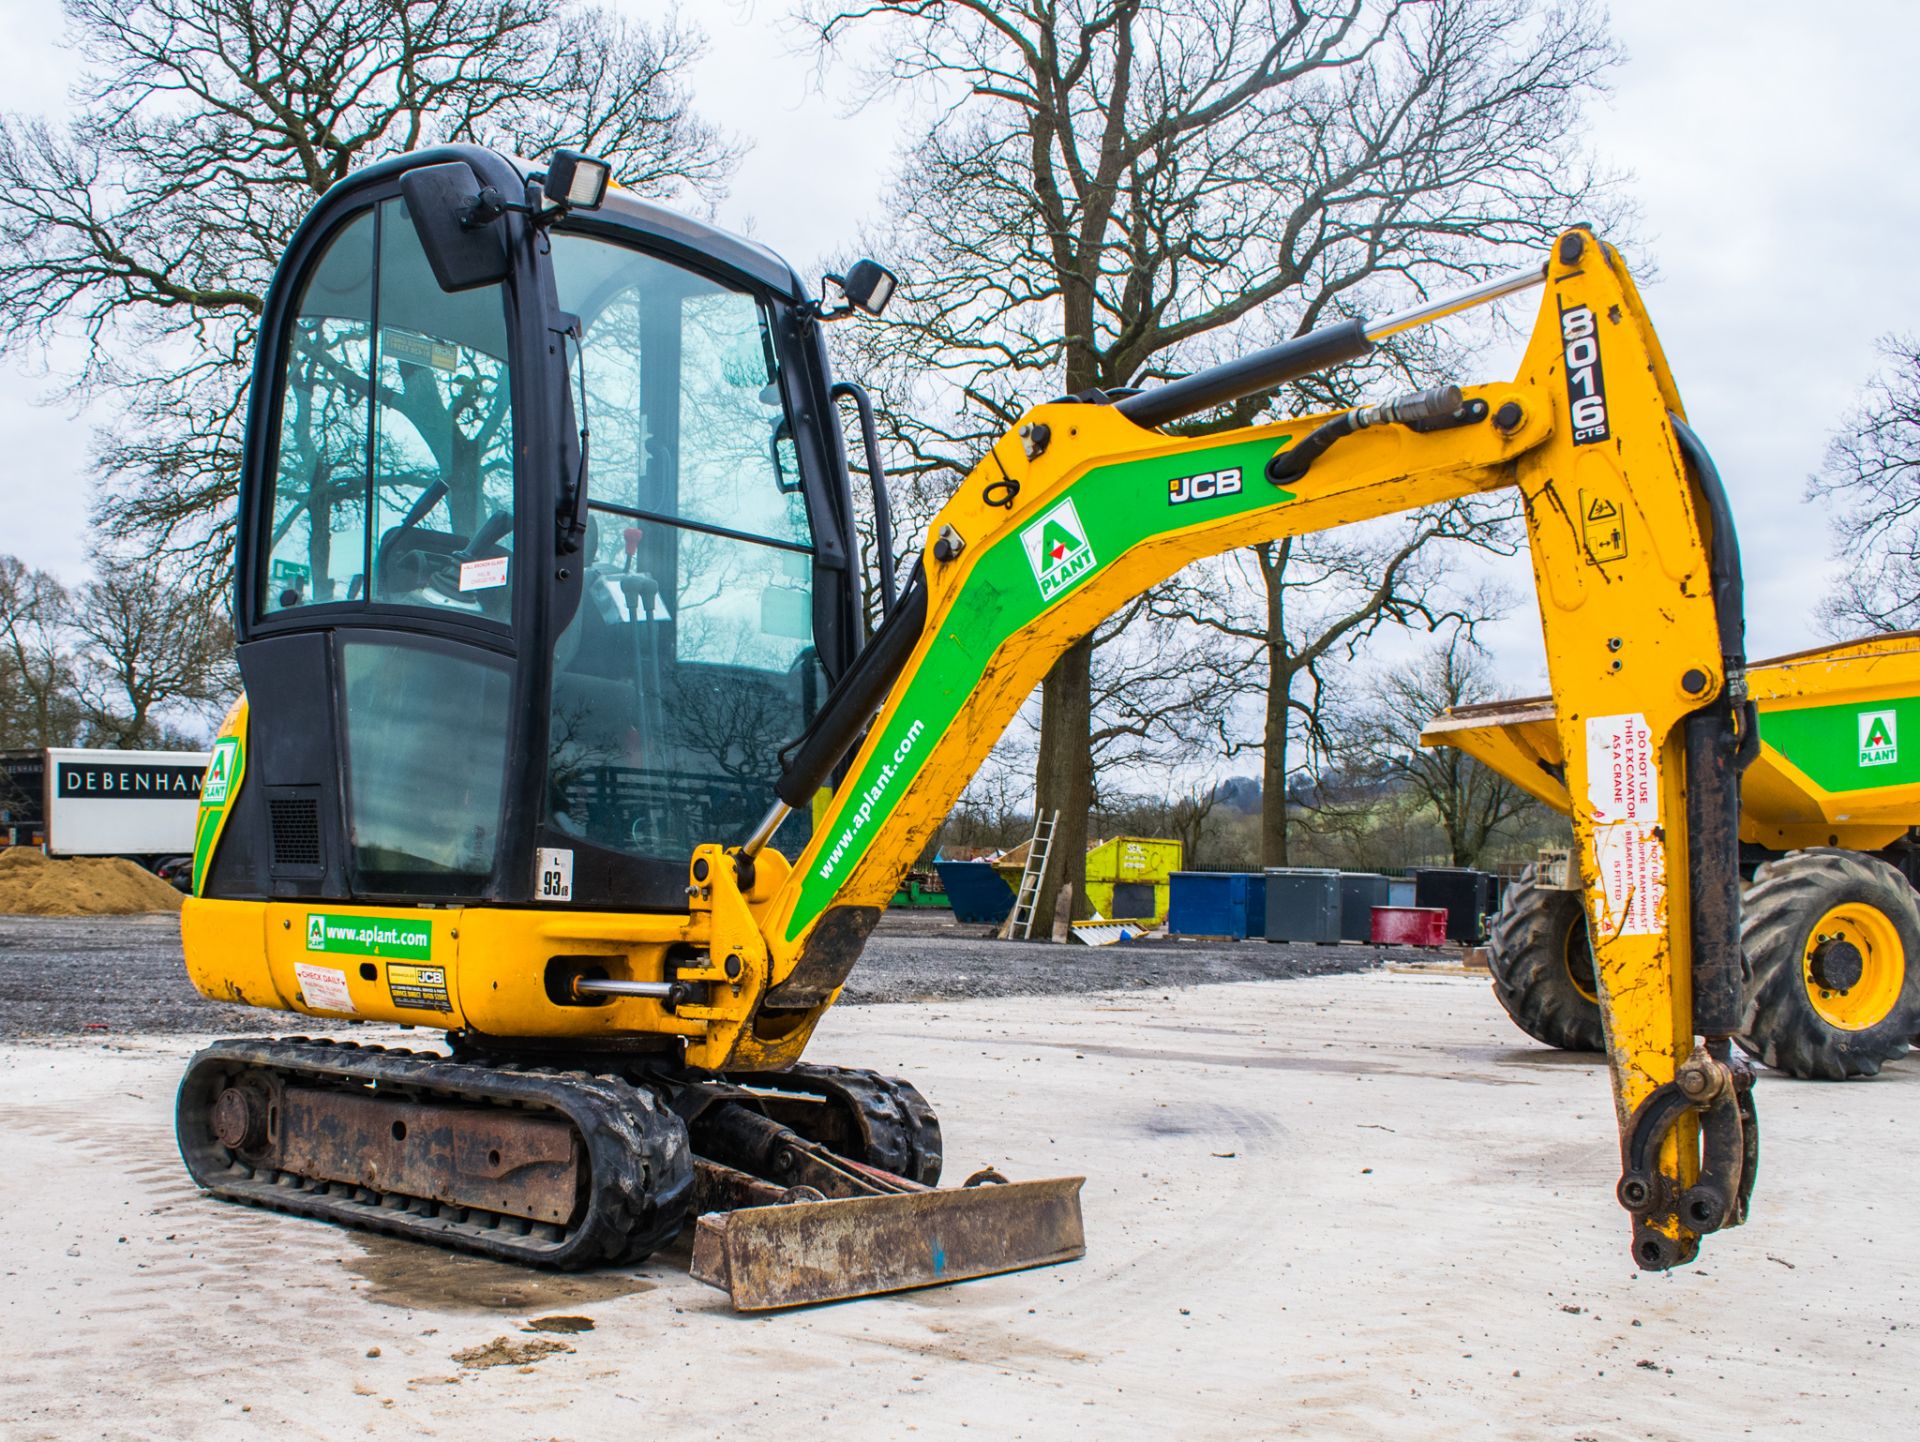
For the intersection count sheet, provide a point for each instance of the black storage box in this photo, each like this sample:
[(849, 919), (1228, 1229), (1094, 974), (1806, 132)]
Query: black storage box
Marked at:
[(1303, 905), (1360, 892), (1467, 895)]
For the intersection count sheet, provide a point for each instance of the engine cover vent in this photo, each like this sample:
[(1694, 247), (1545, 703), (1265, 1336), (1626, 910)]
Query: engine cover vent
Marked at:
[(296, 831)]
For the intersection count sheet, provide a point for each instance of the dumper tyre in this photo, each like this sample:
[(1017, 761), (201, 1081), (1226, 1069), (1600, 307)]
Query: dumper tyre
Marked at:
[(1833, 939), (1542, 965)]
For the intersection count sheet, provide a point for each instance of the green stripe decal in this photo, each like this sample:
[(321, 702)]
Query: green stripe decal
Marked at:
[(1093, 523), (1856, 747)]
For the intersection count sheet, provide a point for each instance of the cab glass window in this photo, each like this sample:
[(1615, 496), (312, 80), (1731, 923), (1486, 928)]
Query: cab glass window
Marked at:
[(690, 660), (317, 551), (683, 393), (395, 480), (426, 763)]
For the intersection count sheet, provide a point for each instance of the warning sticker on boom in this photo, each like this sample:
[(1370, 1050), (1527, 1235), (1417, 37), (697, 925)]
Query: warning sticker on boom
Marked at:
[(422, 987), (1623, 784), (1603, 529), (1623, 790), (1632, 864)]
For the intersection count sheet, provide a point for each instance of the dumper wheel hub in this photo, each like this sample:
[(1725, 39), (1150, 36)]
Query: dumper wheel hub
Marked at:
[(1836, 964), (1854, 966)]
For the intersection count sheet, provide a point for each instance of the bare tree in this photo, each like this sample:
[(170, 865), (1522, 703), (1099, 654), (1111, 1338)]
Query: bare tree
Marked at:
[(153, 658), (39, 701), (1158, 690), (1470, 801), (994, 813), (1289, 614), (1871, 482), (1179, 815), (149, 223), (1118, 190)]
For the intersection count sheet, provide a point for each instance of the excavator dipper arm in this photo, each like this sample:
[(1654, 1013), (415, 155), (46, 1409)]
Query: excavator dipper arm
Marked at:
[(1081, 507)]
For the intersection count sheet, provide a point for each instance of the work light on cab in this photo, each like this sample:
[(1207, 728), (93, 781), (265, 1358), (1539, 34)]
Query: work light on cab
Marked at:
[(576, 181)]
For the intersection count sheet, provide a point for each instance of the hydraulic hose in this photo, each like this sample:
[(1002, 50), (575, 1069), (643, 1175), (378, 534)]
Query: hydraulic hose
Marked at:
[(1428, 405), (1720, 739)]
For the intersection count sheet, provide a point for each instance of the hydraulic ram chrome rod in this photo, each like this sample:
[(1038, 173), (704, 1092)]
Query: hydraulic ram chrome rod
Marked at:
[(1317, 350), (1440, 307)]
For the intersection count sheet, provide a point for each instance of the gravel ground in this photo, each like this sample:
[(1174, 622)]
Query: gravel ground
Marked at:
[(111, 975), (1344, 1209), (122, 975)]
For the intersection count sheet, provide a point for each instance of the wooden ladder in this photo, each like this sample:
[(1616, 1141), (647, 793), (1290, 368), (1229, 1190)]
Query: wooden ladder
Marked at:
[(1026, 901)]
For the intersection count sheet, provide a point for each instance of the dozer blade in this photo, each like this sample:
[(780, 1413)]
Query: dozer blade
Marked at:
[(828, 1251)]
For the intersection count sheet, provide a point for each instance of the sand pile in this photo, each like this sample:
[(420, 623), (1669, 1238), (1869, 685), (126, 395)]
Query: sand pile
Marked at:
[(31, 884)]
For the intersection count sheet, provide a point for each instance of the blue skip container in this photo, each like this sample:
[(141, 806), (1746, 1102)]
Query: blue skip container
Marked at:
[(980, 895), (1217, 903)]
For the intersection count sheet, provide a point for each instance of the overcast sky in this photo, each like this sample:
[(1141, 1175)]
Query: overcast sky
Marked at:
[(1769, 145)]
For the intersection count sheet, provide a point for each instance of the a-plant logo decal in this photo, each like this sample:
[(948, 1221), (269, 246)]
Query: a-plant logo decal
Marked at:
[(1057, 549), (213, 790), (1879, 738)]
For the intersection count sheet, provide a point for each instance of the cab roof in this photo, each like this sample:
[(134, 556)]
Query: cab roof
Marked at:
[(674, 230)]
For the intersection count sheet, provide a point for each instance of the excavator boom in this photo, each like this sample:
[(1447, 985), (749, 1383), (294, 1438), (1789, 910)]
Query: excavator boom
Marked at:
[(1079, 509)]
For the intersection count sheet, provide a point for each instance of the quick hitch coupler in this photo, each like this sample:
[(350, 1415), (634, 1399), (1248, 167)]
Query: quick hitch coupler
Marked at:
[(1716, 1084)]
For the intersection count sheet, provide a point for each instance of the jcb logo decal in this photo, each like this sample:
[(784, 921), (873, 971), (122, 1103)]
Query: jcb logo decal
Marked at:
[(1203, 487), (1879, 738)]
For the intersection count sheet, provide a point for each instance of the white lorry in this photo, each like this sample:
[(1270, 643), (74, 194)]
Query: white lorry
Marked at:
[(76, 801)]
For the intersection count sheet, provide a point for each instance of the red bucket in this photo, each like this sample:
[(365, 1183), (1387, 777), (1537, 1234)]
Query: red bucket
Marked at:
[(1409, 926)]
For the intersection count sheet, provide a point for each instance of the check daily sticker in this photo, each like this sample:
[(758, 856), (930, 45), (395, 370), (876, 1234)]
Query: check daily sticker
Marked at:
[(324, 988)]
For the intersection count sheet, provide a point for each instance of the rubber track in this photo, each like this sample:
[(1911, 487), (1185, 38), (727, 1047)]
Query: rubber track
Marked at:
[(901, 1133), (1526, 955), (1778, 913), (640, 1166)]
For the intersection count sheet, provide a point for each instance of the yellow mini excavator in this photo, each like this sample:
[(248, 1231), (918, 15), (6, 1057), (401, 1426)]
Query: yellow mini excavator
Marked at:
[(562, 735)]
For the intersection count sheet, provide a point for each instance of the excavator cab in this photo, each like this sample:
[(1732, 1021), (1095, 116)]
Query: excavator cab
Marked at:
[(546, 568), (546, 551)]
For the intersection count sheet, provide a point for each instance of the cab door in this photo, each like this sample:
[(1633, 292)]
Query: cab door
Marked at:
[(685, 657), (381, 588)]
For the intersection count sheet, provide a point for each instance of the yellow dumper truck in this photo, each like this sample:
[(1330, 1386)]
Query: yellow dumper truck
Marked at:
[(1828, 817)]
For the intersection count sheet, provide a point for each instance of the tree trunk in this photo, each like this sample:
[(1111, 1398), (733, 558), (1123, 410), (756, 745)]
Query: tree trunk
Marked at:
[(1063, 777), (1063, 771), (1273, 558), (1460, 829), (1273, 781)]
